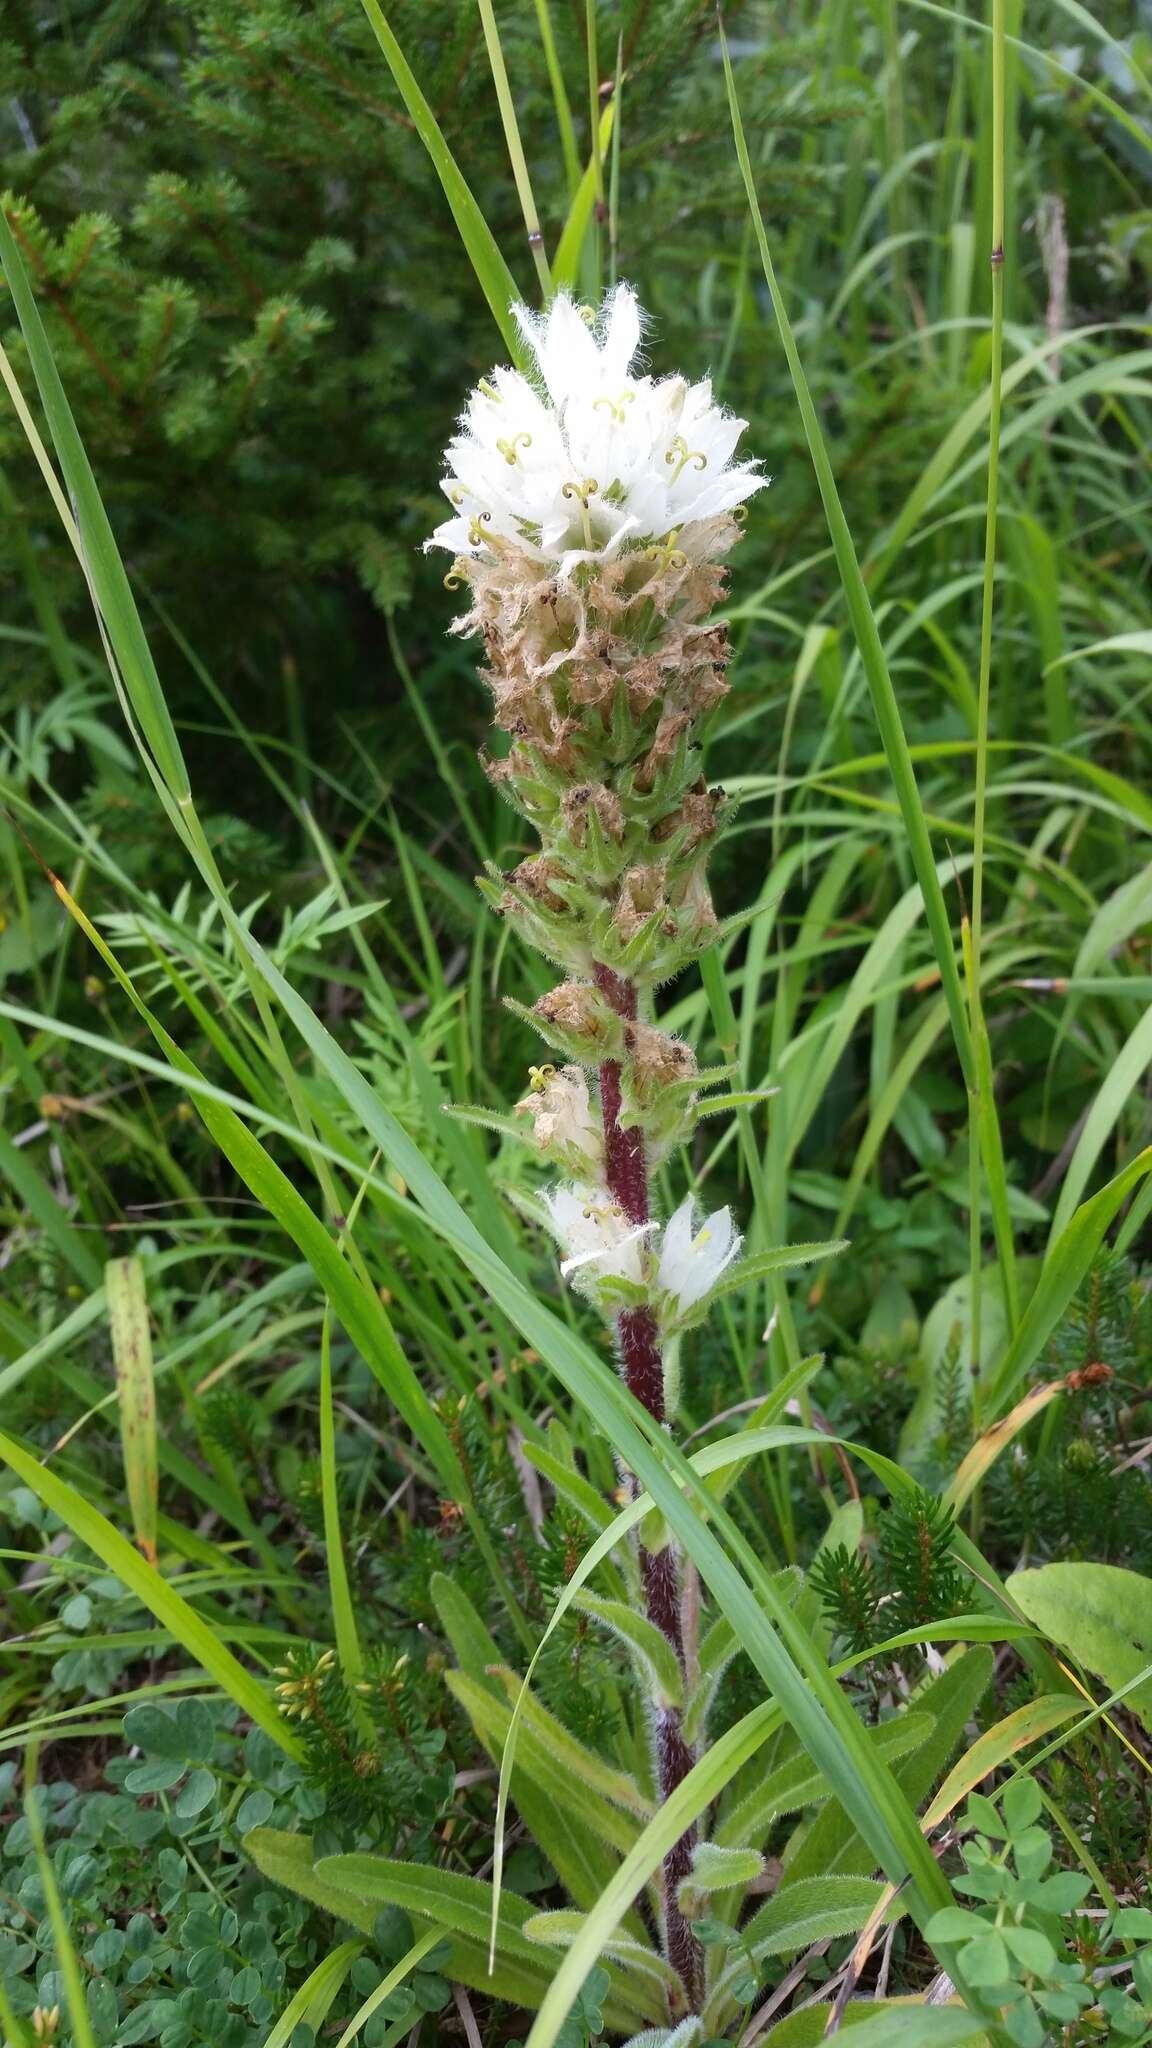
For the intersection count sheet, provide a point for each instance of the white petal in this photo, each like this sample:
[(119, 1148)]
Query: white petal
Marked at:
[(615, 1257), (621, 333), (588, 415), (678, 1234)]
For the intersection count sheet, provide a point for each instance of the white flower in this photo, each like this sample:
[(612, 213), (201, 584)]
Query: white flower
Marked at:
[(595, 461), (562, 1119), (691, 1260), (597, 1237)]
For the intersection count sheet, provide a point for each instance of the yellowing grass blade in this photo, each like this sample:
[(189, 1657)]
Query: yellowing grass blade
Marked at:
[(995, 1746), (136, 1394), (987, 1448)]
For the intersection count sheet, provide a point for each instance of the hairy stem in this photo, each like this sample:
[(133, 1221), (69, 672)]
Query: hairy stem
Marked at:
[(626, 1176)]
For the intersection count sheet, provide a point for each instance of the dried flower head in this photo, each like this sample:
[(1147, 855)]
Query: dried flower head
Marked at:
[(563, 1124)]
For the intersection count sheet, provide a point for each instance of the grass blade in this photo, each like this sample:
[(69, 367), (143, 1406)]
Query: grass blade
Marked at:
[(495, 279), (67, 1960), (152, 1590), (570, 248), (516, 155), (310, 2005), (136, 1394), (864, 625)]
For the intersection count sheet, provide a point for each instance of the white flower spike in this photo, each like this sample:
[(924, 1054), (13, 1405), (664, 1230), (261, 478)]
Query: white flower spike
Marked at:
[(597, 1237), (691, 1260), (595, 462)]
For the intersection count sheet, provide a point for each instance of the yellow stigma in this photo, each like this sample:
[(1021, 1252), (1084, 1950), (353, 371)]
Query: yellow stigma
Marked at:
[(615, 405), (508, 449), (583, 491), (476, 534), (681, 454), (666, 552), (539, 1077)]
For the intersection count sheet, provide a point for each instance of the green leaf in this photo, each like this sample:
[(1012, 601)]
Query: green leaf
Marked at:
[(996, 1745), (813, 1910), (987, 1963), (1032, 1950), (198, 1793), (885, 2023), (954, 1924), (573, 1825), (717, 1869), (788, 1787), (154, 1777), (560, 1929), (461, 1907), (745, 1272), (311, 2004), (156, 1729), (1021, 1804), (132, 1356), (618, 1787), (1099, 1614), (657, 1660), (474, 1648)]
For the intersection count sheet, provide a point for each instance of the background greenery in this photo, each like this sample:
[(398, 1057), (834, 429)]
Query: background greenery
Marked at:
[(264, 322)]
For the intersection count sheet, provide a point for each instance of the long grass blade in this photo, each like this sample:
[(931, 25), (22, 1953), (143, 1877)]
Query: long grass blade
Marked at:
[(880, 685), (136, 1394), (495, 279), (147, 1585)]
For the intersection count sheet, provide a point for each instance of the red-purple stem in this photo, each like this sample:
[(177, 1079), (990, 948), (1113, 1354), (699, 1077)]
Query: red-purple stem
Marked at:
[(626, 1176)]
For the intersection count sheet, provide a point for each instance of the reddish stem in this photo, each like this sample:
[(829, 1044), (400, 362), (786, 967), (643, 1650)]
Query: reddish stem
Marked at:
[(626, 1177)]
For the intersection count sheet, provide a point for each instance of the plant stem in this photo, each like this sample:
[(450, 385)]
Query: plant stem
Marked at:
[(626, 1177), (979, 1164)]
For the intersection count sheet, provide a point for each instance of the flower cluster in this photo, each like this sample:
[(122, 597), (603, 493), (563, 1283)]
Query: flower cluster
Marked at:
[(598, 461), (592, 510), (619, 1263)]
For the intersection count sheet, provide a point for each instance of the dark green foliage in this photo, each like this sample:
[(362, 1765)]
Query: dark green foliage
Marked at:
[(374, 1748), (1077, 1485), (262, 316), (910, 1577)]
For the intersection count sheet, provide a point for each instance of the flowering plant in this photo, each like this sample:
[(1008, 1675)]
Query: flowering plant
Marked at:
[(592, 508)]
